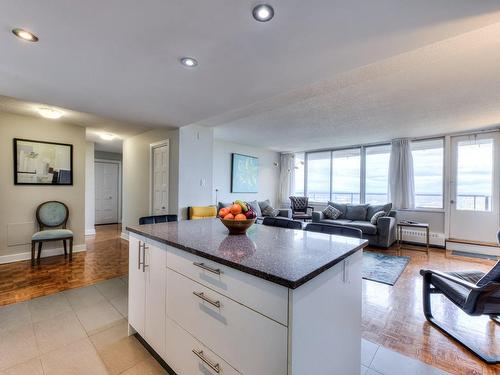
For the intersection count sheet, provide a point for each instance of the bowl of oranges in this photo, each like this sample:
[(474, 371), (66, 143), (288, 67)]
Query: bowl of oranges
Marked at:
[(238, 217)]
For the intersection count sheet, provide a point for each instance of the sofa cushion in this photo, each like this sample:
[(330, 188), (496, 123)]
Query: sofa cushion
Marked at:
[(341, 207), (356, 211), (376, 216), (270, 211), (336, 222), (365, 226), (373, 209), (331, 212), (256, 208)]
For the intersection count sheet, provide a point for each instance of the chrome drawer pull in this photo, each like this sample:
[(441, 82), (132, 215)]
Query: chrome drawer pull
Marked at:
[(207, 268), (213, 366), (206, 299), (139, 256), (144, 265)]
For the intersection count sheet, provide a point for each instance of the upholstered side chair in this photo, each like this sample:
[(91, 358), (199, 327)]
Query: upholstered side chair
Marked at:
[(52, 218), (300, 208)]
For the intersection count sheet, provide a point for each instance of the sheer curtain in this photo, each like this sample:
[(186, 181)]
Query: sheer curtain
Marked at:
[(401, 179), (287, 180)]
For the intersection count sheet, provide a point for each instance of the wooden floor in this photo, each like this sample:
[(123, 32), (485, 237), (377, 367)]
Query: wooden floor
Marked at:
[(392, 315), (106, 257)]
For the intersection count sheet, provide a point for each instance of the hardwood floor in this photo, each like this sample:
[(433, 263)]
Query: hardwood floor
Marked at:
[(392, 315), (106, 257)]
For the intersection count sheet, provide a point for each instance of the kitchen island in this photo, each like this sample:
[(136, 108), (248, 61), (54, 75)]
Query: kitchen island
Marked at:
[(272, 302)]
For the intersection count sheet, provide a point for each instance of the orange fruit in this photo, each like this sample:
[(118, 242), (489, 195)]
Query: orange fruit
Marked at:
[(223, 212), (240, 217), (229, 216), (236, 209)]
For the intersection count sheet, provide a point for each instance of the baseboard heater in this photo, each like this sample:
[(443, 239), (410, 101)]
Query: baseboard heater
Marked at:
[(473, 248), (417, 237)]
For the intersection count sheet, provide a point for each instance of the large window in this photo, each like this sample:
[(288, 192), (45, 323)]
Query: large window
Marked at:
[(428, 158), (377, 174), (299, 174), (346, 171), (318, 176)]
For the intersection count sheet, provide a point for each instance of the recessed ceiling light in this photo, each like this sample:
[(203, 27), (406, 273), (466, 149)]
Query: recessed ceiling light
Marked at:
[(25, 35), (263, 12), (107, 136), (51, 113), (189, 62)]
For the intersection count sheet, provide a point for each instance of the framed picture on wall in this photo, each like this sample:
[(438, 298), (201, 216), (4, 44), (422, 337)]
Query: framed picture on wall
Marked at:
[(244, 174), (42, 163)]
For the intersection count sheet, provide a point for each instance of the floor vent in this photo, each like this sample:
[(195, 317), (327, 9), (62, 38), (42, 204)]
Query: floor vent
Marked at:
[(472, 255)]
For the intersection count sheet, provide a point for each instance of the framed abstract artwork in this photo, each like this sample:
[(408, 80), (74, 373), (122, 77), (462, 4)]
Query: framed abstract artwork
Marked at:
[(42, 163), (244, 174)]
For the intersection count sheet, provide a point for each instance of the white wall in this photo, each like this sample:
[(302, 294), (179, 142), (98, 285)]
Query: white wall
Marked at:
[(18, 203), (89, 189), (268, 172), (137, 174), (196, 145)]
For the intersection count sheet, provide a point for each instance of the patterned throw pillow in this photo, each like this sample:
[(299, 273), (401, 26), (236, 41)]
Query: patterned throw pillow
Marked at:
[(376, 216), (331, 212), (269, 211)]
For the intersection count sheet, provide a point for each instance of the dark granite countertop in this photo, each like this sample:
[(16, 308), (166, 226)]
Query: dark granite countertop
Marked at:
[(284, 256)]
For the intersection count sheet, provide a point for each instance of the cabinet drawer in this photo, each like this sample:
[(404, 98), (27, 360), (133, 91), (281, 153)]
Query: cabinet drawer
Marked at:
[(263, 296), (249, 341), (187, 356)]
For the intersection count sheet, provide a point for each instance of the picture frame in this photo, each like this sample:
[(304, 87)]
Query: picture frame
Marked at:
[(244, 173), (42, 163)]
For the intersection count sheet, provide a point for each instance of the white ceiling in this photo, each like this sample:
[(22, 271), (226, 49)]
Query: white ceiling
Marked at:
[(119, 59)]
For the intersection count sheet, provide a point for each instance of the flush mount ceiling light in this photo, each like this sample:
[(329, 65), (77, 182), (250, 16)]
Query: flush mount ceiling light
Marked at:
[(50, 113), (263, 12), (25, 35), (189, 62), (107, 136)]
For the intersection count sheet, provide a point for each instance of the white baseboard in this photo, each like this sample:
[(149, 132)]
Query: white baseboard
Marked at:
[(473, 248), (124, 236), (418, 236), (45, 253), (90, 232)]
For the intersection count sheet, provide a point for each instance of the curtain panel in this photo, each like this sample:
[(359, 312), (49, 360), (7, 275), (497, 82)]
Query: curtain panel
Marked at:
[(401, 178), (287, 179)]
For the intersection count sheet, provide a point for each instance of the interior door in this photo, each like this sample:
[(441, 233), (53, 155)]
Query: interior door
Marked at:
[(475, 191), (106, 193), (160, 180)]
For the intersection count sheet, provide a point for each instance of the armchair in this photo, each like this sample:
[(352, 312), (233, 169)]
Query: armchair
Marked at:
[(300, 208)]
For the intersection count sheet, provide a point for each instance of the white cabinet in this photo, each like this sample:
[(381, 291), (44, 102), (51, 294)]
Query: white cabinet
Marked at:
[(147, 291)]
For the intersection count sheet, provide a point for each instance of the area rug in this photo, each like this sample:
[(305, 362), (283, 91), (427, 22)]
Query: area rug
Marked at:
[(382, 268)]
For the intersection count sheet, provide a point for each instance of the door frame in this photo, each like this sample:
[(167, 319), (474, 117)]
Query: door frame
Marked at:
[(152, 146), (119, 163)]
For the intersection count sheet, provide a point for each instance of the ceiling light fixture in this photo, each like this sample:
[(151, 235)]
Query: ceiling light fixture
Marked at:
[(25, 35), (107, 136), (50, 113), (189, 62), (263, 12)]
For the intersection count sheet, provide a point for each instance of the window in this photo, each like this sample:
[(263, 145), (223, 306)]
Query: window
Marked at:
[(377, 174), (299, 174), (318, 176), (428, 158), (346, 172)]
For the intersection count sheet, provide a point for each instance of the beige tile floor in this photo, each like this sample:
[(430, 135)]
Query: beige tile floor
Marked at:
[(80, 331)]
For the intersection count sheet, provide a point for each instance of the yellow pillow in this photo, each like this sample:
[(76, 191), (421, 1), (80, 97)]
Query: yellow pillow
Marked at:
[(202, 212)]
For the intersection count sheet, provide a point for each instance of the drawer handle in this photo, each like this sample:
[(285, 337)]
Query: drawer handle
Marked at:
[(206, 299), (213, 366), (207, 268)]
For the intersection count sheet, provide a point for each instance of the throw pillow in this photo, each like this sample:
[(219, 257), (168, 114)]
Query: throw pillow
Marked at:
[(356, 212), (373, 209), (376, 216), (331, 212), (269, 211), (256, 208), (341, 207)]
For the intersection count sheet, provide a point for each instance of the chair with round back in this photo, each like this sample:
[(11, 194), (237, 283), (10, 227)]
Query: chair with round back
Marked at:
[(52, 217)]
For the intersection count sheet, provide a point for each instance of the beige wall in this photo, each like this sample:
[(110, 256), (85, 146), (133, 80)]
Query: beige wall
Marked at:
[(18, 203), (137, 173)]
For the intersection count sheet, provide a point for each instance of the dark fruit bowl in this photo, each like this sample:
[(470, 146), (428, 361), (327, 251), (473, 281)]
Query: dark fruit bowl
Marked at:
[(238, 226)]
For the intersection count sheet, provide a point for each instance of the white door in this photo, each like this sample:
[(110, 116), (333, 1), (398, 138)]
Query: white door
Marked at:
[(160, 180), (474, 189), (106, 193)]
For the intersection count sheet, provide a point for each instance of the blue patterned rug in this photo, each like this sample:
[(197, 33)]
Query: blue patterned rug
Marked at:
[(384, 269)]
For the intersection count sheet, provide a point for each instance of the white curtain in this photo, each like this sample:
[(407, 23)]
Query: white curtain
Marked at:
[(287, 179), (401, 179)]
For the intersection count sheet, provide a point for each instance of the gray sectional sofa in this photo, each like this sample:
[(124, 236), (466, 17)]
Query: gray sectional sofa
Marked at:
[(258, 206), (382, 234)]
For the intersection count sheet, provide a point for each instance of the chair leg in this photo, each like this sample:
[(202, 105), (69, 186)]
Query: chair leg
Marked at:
[(495, 318), (39, 251), (71, 249), (427, 291), (32, 253), (65, 248)]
